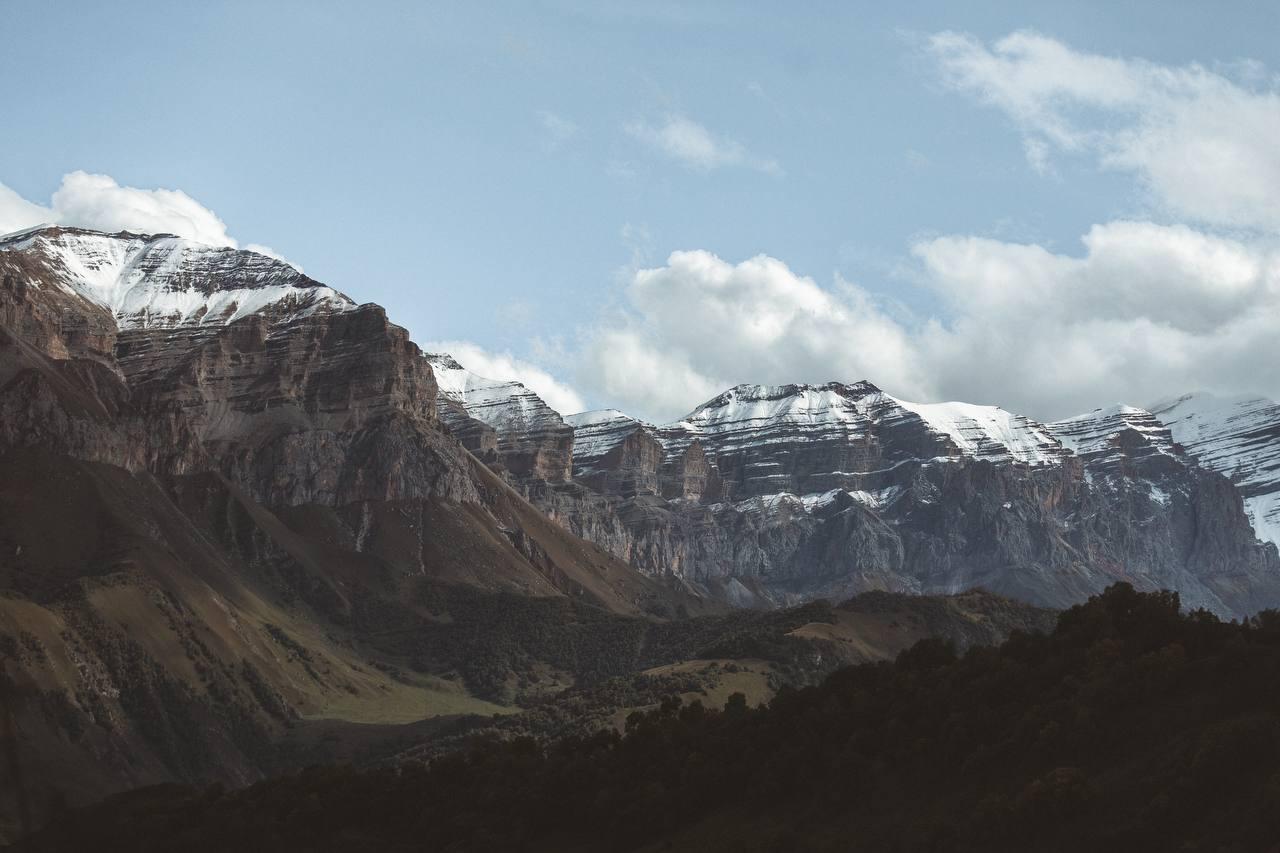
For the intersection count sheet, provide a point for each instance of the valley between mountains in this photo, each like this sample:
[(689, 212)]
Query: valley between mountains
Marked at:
[(247, 525)]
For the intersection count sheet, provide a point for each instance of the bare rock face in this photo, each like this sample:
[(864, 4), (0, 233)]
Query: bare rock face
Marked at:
[(480, 439), (59, 324), (328, 409), (59, 384), (227, 490), (807, 439), (1239, 437), (198, 360), (776, 494), (533, 441), (615, 454), (304, 399), (689, 475)]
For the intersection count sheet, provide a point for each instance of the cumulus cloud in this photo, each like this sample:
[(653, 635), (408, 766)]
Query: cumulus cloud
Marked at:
[(1144, 311), (1141, 310), (1201, 142), (505, 367), (97, 201), (700, 324), (16, 213), (93, 201), (692, 145), (629, 368)]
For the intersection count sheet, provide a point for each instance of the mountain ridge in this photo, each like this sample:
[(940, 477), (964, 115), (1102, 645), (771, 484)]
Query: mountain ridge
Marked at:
[(216, 526), (773, 465)]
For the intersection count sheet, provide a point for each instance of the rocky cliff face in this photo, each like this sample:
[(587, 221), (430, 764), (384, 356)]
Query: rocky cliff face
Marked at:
[(806, 439), (530, 439), (616, 455), (1239, 437), (229, 501), (770, 494), (173, 359)]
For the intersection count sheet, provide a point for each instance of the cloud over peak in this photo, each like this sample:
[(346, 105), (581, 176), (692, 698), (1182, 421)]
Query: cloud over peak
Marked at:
[(504, 367), (98, 202), (1145, 311), (700, 324)]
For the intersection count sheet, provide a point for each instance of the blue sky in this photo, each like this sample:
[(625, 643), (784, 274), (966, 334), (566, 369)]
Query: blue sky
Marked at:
[(502, 176)]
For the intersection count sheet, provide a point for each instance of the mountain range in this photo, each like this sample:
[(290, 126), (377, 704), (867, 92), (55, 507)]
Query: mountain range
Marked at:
[(769, 495), (236, 505)]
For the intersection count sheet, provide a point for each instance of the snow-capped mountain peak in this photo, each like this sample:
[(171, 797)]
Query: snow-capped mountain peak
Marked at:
[(746, 413), (1094, 434), (595, 433), (503, 404), (989, 432), (527, 434), (161, 280)]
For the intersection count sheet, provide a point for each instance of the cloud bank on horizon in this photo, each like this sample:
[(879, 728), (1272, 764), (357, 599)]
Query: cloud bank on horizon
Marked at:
[(1186, 296)]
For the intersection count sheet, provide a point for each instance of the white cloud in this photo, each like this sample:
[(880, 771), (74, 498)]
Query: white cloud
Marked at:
[(1201, 142), (93, 201), (692, 145), (631, 369), (16, 213), (1142, 310), (700, 324), (1145, 311), (98, 202), (506, 367)]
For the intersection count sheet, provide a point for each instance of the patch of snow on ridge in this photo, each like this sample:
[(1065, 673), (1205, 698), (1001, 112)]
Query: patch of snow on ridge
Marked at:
[(1092, 433), (1239, 437), (22, 232), (821, 499), (989, 431), (1264, 514), (808, 503), (506, 405), (597, 417), (758, 415), (150, 281), (597, 432)]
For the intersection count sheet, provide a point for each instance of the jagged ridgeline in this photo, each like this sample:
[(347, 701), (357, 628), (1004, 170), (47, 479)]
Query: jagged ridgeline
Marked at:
[(770, 495)]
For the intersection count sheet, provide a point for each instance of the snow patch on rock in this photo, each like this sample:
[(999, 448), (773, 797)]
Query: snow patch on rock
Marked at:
[(1239, 437), (165, 281)]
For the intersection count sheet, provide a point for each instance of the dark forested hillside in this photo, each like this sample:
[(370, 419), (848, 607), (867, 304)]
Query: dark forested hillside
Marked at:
[(1132, 726)]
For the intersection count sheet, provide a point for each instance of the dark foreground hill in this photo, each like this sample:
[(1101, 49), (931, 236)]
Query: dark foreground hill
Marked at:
[(1131, 727)]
